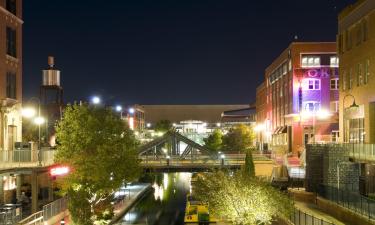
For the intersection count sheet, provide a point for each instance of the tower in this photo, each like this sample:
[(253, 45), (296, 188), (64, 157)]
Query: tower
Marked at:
[(51, 97)]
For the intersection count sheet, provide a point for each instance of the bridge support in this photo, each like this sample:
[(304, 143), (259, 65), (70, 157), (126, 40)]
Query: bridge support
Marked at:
[(34, 192)]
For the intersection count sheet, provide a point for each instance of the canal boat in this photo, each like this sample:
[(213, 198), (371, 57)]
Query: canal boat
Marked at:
[(197, 213)]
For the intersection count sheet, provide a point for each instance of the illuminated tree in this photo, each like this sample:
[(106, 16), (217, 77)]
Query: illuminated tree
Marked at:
[(239, 138), (163, 126), (249, 168), (214, 141), (240, 199), (101, 153)]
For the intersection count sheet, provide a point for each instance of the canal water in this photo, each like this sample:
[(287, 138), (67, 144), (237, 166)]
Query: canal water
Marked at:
[(165, 204)]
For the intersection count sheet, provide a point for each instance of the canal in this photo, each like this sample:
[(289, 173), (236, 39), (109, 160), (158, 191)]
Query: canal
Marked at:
[(165, 204)]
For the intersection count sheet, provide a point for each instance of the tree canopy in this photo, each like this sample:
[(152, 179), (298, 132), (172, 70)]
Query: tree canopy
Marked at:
[(101, 153), (214, 140), (241, 199), (239, 138), (163, 126)]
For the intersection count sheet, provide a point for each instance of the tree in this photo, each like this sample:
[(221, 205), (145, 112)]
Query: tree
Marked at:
[(101, 153), (163, 126), (249, 168), (214, 140), (240, 199), (239, 138)]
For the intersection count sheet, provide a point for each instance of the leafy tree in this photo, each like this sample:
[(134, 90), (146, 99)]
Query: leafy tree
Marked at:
[(214, 140), (102, 155), (249, 168), (239, 138), (240, 199), (163, 126)]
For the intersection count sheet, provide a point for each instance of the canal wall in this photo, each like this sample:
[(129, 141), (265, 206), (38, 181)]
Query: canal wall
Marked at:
[(128, 204)]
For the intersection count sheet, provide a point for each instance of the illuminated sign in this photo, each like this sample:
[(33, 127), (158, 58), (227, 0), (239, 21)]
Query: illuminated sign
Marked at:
[(59, 171)]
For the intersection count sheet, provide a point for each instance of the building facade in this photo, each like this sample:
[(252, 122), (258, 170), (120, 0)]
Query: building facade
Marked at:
[(301, 103), (10, 73), (262, 128), (356, 48), (135, 117)]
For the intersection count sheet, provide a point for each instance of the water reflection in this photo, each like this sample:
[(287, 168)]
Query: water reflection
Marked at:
[(165, 204)]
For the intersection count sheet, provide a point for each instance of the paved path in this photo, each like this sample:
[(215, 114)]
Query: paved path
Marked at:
[(313, 210)]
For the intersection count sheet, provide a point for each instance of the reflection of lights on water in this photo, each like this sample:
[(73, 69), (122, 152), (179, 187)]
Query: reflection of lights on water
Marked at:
[(165, 180), (158, 191), (130, 217)]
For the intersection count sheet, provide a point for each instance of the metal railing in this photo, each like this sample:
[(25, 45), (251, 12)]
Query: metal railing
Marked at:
[(302, 218), (362, 152), (350, 200), (50, 210), (10, 215), (25, 158)]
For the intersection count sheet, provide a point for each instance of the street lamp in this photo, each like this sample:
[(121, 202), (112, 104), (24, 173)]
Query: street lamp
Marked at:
[(95, 100), (352, 106), (39, 120)]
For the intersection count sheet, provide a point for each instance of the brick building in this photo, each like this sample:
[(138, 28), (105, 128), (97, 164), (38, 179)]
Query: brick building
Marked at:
[(301, 103), (10, 73), (356, 44)]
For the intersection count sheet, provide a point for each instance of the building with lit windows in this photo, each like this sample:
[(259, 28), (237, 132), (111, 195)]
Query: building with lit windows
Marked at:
[(10, 73), (356, 48), (298, 102), (135, 116)]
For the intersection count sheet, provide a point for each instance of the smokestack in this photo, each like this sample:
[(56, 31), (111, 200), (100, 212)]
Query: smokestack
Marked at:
[(51, 61)]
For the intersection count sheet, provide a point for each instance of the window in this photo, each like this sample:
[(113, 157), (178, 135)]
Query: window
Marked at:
[(290, 65), (367, 71), (310, 61), (285, 68), (11, 42), (359, 75), (313, 84), (334, 61), (334, 106), (312, 106), (11, 6), (11, 85), (359, 34), (335, 84), (364, 30), (350, 78), (335, 135)]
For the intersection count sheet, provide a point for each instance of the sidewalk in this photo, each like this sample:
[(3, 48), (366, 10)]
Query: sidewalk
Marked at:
[(313, 210)]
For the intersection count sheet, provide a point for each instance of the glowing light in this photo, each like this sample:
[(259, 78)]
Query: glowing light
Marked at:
[(95, 100), (174, 124), (259, 128), (59, 171), (218, 124), (148, 125), (119, 108), (131, 110), (222, 156), (323, 114), (28, 112), (131, 123), (39, 120)]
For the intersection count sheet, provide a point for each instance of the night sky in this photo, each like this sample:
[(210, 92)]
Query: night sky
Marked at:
[(166, 52)]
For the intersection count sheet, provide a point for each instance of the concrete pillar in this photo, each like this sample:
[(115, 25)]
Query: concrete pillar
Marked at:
[(50, 189), (1, 189), (34, 192), (19, 180)]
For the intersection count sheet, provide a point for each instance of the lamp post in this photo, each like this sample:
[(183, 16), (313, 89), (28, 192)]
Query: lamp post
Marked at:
[(353, 105), (39, 120)]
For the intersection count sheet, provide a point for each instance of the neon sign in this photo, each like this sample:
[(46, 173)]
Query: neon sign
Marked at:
[(59, 171)]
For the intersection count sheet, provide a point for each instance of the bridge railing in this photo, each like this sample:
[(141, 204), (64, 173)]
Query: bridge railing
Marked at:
[(26, 158)]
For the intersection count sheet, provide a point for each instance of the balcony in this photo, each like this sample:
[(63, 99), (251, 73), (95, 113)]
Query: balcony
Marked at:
[(25, 158)]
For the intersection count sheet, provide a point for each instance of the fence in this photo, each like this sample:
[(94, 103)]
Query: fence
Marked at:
[(26, 157), (303, 218), (10, 215), (50, 210), (350, 200)]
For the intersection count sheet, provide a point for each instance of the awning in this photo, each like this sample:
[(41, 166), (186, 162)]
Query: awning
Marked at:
[(277, 130), (283, 130)]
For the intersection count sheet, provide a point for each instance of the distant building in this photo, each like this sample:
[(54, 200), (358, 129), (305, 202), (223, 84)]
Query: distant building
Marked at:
[(356, 48), (245, 116), (301, 87), (210, 114), (135, 116), (10, 73)]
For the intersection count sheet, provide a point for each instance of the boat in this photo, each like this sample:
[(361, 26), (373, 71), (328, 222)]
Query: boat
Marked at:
[(197, 213)]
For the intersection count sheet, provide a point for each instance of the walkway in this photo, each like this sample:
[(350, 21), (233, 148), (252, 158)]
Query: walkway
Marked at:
[(313, 210)]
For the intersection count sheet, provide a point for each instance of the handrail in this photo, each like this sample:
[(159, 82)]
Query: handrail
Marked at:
[(36, 218)]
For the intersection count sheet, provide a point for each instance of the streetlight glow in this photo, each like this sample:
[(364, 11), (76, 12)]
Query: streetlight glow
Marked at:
[(39, 120), (118, 108), (148, 125), (95, 100), (131, 110), (323, 114), (28, 112)]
